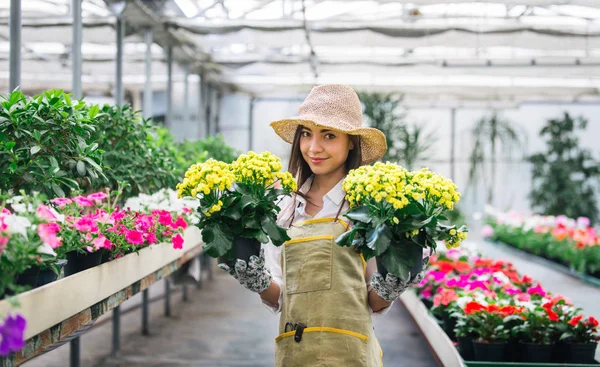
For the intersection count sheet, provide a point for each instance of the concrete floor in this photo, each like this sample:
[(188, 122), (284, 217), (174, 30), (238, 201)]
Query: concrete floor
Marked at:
[(221, 325)]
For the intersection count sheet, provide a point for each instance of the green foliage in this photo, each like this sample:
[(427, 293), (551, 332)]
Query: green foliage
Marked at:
[(407, 144), (191, 152), (491, 132), (563, 175), (134, 151), (47, 144)]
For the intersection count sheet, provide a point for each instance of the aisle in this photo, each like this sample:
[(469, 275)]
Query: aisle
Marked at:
[(223, 325), (582, 294)]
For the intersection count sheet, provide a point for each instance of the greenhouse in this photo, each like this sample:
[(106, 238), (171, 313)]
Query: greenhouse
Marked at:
[(299, 183)]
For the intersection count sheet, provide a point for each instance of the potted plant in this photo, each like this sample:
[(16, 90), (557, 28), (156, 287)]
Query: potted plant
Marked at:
[(488, 325), (580, 337), (238, 203), (397, 214), (537, 334), (465, 331)]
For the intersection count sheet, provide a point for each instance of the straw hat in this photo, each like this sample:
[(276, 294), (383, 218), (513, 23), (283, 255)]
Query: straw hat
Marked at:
[(335, 107)]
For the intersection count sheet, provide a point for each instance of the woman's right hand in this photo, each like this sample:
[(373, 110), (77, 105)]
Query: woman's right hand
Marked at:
[(253, 275)]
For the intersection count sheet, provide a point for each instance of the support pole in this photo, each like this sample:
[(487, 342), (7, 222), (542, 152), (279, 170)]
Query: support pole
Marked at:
[(116, 330), (186, 97), (119, 61), (169, 117), (218, 100), (208, 101), (75, 352), (251, 123), (14, 79), (201, 121), (145, 309), (76, 49), (167, 298), (148, 69)]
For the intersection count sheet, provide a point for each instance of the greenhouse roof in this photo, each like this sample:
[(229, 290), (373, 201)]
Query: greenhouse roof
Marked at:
[(440, 50)]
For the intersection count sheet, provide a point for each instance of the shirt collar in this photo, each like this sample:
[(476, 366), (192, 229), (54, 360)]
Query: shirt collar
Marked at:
[(336, 194)]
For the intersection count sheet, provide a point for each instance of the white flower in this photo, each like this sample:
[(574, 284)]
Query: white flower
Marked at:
[(45, 248), (17, 224), (502, 277)]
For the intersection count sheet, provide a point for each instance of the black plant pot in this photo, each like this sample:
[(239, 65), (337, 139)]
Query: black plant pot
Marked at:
[(580, 352), (48, 275), (536, 353), (416, 269), (29, 277), (489, 352), (242, 249), (448, 326), (105, 256), (77, 262), (512, 352), (465, 348)]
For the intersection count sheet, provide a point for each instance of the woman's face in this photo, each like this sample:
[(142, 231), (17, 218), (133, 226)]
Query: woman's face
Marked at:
[(324, 150)]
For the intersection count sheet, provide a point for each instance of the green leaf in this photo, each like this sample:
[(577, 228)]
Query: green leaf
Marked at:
[(93, 164), (277, 234), (360, 214), (246, 201), (379, 239), (81, 168), (400, 258), (233, 212), (346, 238), (10, 145), (217, 242), (57, 190), (93, 111), (34, 149)]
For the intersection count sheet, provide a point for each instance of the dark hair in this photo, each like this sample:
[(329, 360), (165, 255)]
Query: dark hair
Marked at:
[(298, 167)]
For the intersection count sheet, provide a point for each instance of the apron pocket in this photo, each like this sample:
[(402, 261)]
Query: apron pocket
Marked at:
[(322, 346), (308, 264)]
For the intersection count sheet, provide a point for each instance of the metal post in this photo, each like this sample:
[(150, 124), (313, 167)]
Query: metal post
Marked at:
[(201, 105), (145, 301), (218, 98), (251, 123), (167, 298), (208, 101), (14, 79), (116, 330), (119, 67), (452, 143), (148, 69), (75, 352), (169, 117), (186, 97), (76, 49)]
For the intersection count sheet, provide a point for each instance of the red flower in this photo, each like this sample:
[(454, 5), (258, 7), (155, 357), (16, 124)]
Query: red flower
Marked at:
[(593, 321), (445, 266), (462, 266), (493, 308), (553, 316), (575, 320), (473, 307)]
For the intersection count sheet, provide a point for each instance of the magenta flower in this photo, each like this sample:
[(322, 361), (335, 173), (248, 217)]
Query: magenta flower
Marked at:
[(97, 197), (47, 233), (477, 284), (45, 213), (144, 223), (165, 218), (134, 237), (150, 238), (179, 223), (117, 216), (536, 290), (60, 202), (83, 201), (512, 291), (11, 334), (177, 241), (3, 242), (437, 276), (86, 224)]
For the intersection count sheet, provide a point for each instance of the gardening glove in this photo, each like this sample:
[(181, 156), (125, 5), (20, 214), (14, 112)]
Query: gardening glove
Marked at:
[(392, 287), (253, 275)]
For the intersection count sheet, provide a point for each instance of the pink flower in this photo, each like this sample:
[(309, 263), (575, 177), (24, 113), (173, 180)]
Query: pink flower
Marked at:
[(523, 297), (97, 197), (583, 222), (117, 216), (179, 223), (134, 237), (86, 224), (427, 292), (536, 290), (511, 291), (45, 213), (5, 211), (187, 210), (445, 297), (60, 202), (83, 201), (150, 238), (177, 242), (100, 242), (47, 233), (436, 275), (165, 218), (144, 223), (3, 242), (487, 231), (102, 216)]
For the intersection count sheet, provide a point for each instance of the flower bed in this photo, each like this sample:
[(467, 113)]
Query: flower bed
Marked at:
[(570, 242), (495, 314)]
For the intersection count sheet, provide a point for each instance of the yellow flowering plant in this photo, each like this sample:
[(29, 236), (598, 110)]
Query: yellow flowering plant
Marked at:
[(397, 214), (238, 201)]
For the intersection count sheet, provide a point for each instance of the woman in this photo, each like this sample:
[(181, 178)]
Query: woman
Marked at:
[(325, 293)]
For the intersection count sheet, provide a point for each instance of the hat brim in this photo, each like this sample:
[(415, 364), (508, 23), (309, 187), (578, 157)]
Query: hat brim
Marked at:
[(373, 143)]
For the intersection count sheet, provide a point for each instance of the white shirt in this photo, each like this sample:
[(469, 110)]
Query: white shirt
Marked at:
[(331, 205)]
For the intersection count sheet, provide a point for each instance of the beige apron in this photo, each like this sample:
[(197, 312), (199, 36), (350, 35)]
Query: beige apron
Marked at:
[(325, 319)]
